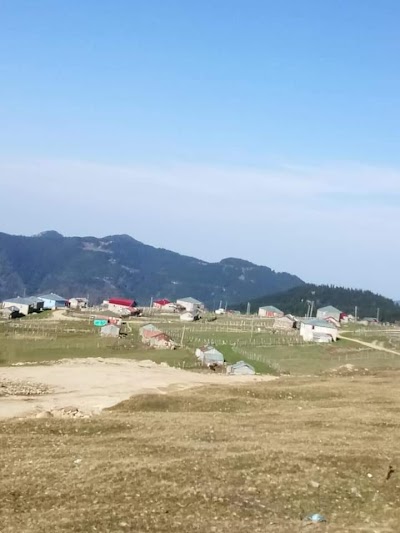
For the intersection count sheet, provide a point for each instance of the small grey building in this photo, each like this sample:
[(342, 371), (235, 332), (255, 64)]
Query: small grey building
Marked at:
[(209, 355), (241, 368), (109, 331)]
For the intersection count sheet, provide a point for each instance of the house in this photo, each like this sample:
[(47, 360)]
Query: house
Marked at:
[(25, 306), (165, 306), (161, 340), (329, 311), (78, 303), (241, 368), (53, 301), (190, 304), (109, 331), (209, 355), (188, 317), (370, 321), (120, 306), (158, 304), (311, 326), (270, 311), (284, 322)]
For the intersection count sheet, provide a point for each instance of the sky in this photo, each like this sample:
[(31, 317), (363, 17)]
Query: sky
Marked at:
[(223, 128)]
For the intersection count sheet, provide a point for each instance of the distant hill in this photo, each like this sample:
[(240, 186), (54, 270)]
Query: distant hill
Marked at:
[(119, 265), (295, 301)]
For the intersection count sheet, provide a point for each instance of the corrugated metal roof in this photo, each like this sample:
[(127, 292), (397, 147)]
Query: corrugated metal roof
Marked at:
[(29, 300), (242, 363), (329, 309), (52, 296), (164, 301), (318, 322), (190, 300), (149, 327), (122, 301), (271, 308)]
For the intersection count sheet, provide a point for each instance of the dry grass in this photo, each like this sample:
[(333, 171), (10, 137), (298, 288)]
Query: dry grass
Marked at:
[(226, 460)]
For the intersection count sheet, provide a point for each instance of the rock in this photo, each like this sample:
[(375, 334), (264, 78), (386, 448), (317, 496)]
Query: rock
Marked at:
[(44, 414), (355, 491), (314, 484)]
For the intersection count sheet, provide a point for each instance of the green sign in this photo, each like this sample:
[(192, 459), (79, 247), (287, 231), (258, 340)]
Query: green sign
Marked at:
[(100, 323)]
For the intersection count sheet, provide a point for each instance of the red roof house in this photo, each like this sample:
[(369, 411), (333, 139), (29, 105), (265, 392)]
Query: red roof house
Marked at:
[(161, 303), (122, 302)]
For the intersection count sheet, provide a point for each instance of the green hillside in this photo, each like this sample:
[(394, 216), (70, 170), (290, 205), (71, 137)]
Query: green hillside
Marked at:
[(295, 301), (118, 265)]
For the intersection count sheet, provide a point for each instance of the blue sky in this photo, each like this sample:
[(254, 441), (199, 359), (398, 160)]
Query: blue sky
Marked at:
[(258, 129)]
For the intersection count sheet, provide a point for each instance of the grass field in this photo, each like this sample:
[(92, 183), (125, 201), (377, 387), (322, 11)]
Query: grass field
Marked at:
[(252, 340), (230, 460)]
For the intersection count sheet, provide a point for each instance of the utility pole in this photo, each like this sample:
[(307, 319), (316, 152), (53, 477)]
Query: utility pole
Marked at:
[(248, 308), (355, 313), (312, 308), (377, 314), (183, 335), (220, 304)]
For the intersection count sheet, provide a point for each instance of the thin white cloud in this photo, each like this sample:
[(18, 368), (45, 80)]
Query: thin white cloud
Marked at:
[(275, 216)]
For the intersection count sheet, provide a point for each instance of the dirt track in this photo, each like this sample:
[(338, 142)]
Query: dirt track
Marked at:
[(369, 345), (94, 384)]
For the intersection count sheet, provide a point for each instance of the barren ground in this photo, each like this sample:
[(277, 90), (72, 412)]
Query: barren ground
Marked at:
[(94, 383), (247, 458)]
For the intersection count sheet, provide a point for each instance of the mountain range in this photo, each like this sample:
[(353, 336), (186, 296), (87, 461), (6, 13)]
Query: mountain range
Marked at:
[(119, 265)]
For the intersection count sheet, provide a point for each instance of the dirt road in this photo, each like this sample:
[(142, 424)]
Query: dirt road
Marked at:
[(94, 384), (369, 345)]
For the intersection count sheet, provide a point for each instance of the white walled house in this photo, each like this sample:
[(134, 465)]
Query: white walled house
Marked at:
[(26, 305), (188, 317), (284, 322), (53, 301), (309, 327), (78, 303), (270, 311), (190, 304)]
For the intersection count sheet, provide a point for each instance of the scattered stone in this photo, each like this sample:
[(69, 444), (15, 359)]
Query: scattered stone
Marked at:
[(356, 493), (22, 388), (369, 475), (316, 518), (44, 414), (68, 412), (314, 484), (77, 461)]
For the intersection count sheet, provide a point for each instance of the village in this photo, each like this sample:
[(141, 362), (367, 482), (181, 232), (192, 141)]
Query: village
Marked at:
[(166, 325)]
